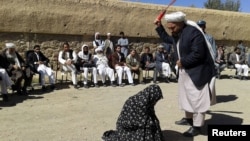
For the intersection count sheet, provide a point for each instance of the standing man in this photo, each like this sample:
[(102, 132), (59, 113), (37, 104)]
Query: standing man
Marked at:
[(97, 41), (241, 47), (202, 25), (123, 42), (108, 46), (195, 65), (67, 57)]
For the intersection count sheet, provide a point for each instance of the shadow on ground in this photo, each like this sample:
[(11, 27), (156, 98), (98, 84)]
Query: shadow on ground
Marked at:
[(226, 98), (170, 135), (33, 93), (14, 99)]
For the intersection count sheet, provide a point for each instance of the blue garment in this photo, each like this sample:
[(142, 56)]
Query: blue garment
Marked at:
[(212, 42)]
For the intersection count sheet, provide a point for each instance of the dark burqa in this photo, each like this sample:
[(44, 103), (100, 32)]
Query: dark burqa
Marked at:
[(137, 120)]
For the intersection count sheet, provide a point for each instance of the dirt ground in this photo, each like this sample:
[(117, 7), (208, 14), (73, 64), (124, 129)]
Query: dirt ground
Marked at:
[(68, 114)]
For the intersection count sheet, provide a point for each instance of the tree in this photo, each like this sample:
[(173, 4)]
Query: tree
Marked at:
[(231, 5), (228, 5)]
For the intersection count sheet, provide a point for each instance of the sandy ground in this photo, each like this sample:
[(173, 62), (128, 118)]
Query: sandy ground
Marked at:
[(68, 114)]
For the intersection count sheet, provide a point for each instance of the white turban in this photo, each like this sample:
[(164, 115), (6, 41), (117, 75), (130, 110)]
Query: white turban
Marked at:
[(175, 17), (108, 34), (160, 46), (99, 48), (10, 45)]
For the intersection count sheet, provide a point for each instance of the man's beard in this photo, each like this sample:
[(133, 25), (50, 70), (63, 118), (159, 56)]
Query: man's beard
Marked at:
[(11, 55), (85, 52), (100, 54)]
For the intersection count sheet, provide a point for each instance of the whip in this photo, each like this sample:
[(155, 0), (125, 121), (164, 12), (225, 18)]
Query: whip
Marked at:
[(159, 17)]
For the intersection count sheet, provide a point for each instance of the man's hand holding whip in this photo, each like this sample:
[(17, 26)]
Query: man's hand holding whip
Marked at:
[(159, 17)]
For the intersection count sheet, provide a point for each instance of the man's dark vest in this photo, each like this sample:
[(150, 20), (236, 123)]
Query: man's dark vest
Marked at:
[(70, 54)]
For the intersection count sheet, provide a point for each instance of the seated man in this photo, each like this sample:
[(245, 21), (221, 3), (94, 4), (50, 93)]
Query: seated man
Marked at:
[(16, 68), (5, 81), (162, 62), (119, 64), (86, 63), (67, 57), (38, 63), (133, 63), (147, 62), (101, 62), (220, 63), (238, 60)]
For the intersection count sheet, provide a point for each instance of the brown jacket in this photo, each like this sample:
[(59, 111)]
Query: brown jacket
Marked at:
[(115, 59)]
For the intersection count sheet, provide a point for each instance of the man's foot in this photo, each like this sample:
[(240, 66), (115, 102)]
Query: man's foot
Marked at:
[(121, 85), (184, 121), (239, 77), (75, 86), (167, 80), (132, 84), (43, 88), (143, 83), (13, 87), (86, 86), (112, 84), (5, 98), (52, 87), (192, 131), (104, 85), (19, 92), (96, 85), (24, 91)]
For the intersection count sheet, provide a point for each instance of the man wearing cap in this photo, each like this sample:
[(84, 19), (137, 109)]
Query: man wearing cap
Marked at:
[(108, 46), (194, 58), (162, 62), (97, 41), (202, 25), (16, 68), (87, 64), (101, 62)]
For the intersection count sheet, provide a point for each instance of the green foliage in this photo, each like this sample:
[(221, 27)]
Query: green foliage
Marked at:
[(227, 5)]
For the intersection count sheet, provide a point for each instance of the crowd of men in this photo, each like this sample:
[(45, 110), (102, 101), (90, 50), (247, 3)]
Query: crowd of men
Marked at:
[(109, 59)]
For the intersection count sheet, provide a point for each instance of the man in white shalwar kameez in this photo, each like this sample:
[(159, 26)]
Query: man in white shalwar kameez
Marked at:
[(101, 62), (87, 65), (67, 57), (5, 83), (194, 58)]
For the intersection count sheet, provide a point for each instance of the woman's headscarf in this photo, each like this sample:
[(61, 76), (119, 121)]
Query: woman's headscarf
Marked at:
[(137, 120)]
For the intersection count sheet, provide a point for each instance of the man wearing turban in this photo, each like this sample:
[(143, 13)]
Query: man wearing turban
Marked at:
[(195, 60), (16, 68)]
